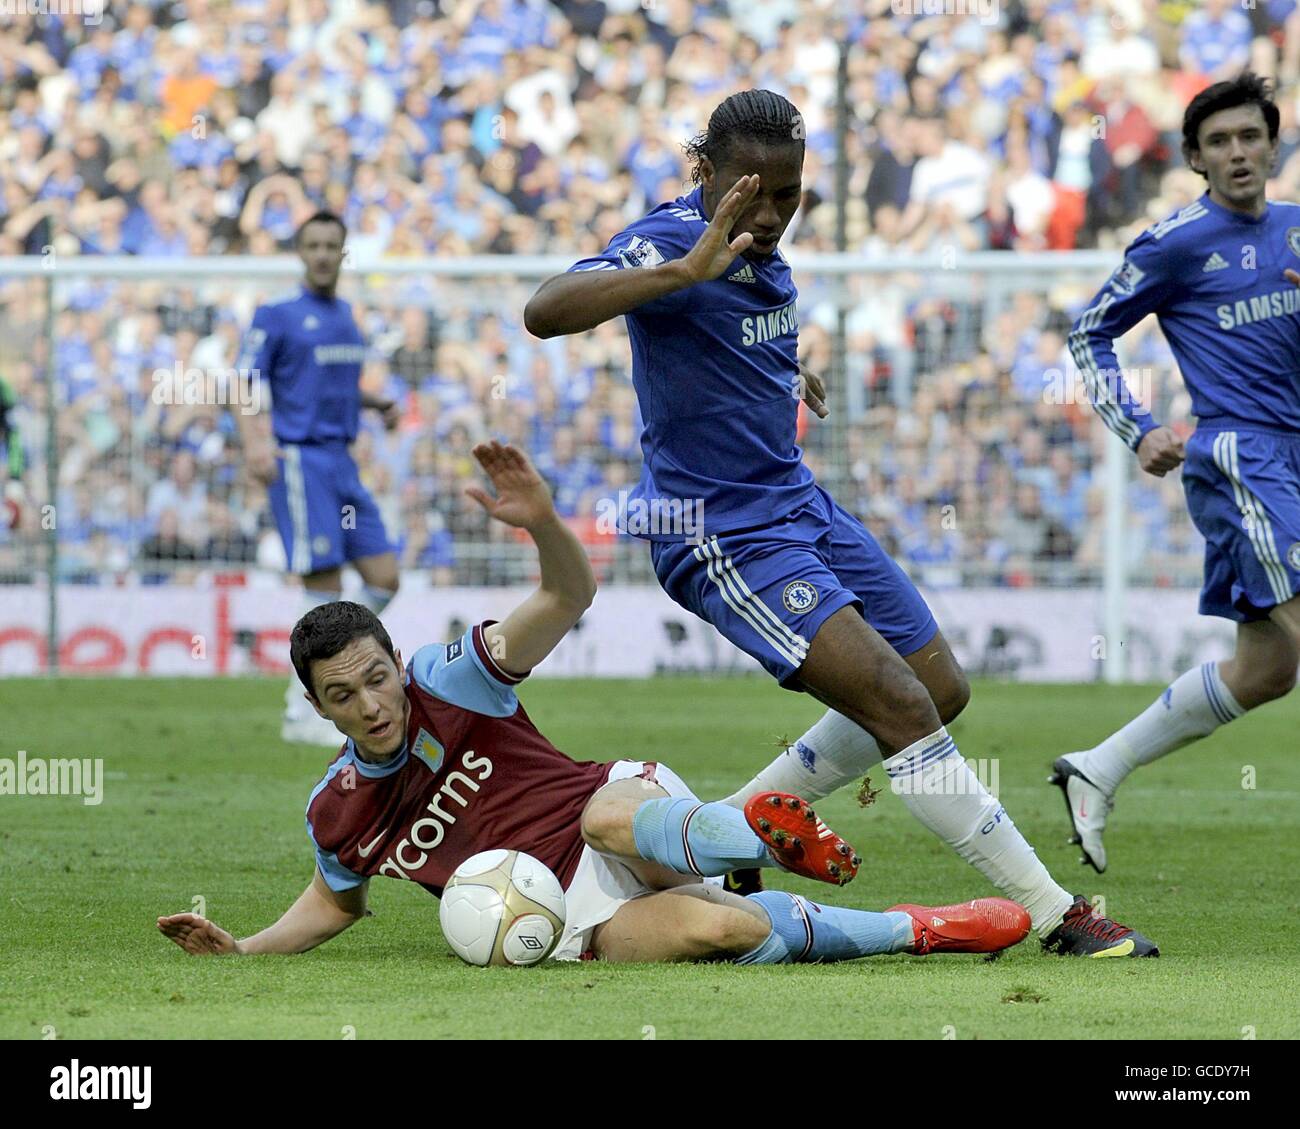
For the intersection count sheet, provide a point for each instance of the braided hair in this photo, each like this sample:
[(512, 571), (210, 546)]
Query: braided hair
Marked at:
[(752, 115)]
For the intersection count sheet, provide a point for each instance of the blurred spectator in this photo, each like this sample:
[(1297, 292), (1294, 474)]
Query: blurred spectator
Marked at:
[(532, 126), (181, 496), (1216, 41)]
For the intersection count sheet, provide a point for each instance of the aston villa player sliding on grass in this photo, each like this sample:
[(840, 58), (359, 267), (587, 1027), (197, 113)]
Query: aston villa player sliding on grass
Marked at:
[(441, 762)]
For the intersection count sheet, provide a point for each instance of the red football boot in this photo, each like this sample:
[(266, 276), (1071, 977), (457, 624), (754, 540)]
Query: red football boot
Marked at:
[(985, 925), (799, 841)]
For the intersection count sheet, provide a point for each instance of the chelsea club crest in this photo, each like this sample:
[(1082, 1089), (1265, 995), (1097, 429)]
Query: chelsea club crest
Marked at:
[(1293, 239), (799, 597), (1293, 556)]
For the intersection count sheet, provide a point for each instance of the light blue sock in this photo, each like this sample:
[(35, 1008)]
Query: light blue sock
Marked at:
[(376, 599), (695, 838), (804, 932)]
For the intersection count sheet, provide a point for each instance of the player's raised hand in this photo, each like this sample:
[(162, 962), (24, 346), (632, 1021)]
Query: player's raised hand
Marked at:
[(1160, 451), (197, 935), (715, 249), (813, 391), (522, 498), (1291, 276)]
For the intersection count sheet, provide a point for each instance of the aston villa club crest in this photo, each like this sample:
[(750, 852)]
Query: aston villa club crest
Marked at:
[(799, 597), (427, 749), (1293, 240)]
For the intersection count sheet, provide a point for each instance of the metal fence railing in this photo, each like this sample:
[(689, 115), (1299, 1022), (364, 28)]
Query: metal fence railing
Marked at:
[(960, 431)]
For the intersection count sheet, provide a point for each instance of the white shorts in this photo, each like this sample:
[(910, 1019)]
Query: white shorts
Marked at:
[(602, 883)]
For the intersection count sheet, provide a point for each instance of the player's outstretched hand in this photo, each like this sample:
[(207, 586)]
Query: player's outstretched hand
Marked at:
[(197, 935), (522, 498), (715, 249), (813, 391), (1160, 451), (1291, 276)]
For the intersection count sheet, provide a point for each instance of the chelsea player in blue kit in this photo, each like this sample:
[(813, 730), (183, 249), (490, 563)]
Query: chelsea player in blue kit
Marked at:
[(308, 352), (1220, 275), (753, 545)]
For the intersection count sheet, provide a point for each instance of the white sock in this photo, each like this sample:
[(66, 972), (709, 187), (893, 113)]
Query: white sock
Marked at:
[(834, 752), (296, 707), (939, 788), (1194, 706)]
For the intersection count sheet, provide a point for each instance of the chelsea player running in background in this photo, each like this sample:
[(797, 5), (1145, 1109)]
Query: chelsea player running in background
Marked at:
[(1216, 276), (308, 353), (779, 568)]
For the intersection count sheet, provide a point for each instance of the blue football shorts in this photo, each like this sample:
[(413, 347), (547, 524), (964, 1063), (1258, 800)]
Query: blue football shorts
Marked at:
[(769, 590), (325, 515), (1243, 492)]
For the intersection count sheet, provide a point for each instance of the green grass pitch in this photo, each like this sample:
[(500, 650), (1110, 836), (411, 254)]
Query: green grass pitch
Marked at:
[(201, 800)]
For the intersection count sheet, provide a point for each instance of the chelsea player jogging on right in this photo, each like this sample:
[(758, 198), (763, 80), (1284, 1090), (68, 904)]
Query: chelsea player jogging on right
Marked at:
[(1221, 276), (769, 559)]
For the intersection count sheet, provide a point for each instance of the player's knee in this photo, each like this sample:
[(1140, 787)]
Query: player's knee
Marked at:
[(954, 699), (913, 707), (1274, 682), (1259, 682), (725, 932), (604, 823)]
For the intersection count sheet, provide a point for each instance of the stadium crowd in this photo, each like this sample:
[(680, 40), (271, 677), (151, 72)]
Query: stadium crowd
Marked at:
[(447, 128)]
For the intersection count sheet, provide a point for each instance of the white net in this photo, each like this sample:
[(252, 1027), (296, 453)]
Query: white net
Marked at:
[(960, 431)]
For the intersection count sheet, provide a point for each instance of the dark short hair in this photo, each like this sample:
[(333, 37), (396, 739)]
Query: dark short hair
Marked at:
[(322, 216), (325, 631), (761, 116), (1247, 89)]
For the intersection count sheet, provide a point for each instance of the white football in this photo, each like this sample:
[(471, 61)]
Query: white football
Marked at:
[(502, 907)]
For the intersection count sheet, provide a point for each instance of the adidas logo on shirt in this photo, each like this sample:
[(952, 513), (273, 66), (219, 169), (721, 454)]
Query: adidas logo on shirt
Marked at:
[(1215, 262), (746, 274)]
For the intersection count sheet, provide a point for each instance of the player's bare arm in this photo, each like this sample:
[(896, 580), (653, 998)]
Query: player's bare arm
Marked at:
[(530, 632), (578, 301), (318, 915)]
